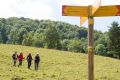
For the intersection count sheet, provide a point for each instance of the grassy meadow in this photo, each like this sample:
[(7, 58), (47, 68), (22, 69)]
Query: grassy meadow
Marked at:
[(55, 65)]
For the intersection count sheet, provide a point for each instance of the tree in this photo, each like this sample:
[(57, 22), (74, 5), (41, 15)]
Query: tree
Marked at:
[(100, 49), (104, 40), (52, 38), (4, 29), (47, 33), (38, 40), (84, 45), (75, 46), (82, 32), (114, 36), (1, 40), (64, 44), (28, 40), (21, 33), (13, 37)]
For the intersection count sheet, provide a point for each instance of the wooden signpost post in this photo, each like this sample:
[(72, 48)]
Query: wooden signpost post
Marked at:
[(89, 12)]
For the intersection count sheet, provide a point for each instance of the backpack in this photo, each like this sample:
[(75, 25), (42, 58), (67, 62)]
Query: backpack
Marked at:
[(14, 57), (37, 58), (29, 58)]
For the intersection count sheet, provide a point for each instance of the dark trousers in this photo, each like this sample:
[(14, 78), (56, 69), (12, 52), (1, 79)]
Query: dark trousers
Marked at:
[(36, 65), (14, 62), (29, 64), (20, 63)]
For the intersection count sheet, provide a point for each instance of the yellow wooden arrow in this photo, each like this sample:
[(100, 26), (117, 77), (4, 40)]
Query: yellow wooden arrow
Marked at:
[(103, 11), (95, 7), (75, 10)]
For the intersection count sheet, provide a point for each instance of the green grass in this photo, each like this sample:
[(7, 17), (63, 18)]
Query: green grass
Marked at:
[(56, 65)]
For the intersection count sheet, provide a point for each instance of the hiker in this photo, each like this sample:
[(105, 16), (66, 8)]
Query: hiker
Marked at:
[(14, 57), (20, 58), (29, 60), (36, 61)]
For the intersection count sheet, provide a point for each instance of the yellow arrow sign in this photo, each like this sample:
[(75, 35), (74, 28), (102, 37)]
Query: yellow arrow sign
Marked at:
[(75, 11), (82, 20), (113, 10), (95, 6)]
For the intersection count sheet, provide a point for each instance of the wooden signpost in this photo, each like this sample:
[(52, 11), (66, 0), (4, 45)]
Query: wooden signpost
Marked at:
[(89, 12)]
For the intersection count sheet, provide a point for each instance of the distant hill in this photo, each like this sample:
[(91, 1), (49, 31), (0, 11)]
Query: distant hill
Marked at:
[(55, 65), (47, 34)]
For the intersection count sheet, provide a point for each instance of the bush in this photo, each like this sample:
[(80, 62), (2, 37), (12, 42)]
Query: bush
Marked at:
[(75, 46), (100, 49)]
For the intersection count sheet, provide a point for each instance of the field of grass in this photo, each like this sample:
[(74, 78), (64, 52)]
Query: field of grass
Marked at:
[(55, 65)]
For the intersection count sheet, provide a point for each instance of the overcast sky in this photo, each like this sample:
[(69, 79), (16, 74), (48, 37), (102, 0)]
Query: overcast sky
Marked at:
[(51, 9)]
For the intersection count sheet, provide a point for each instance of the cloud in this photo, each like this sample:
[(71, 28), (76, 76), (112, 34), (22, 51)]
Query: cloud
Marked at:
[(5, 9), (77, 2), (34, 9), (88, 2)]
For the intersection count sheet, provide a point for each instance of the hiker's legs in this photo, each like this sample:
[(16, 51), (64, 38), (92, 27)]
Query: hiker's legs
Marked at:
[(37, 65), (14, 62), (29, 64), (20, 63)]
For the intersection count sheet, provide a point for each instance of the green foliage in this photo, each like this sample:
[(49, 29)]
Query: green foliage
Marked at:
[(27, 41), (82, 32), (4, 31), (13, 36), (1, 40), (21, 33), (75, 46), (97, 35), (104, 39), (45, 33), (53, 34), (38, 40), (64, 44), (104, 42), (52, 37), (100, 49), (84, 45), (114, 36)]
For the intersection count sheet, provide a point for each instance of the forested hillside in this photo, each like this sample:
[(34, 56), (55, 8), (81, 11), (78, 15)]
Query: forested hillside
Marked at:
[(50, 34)]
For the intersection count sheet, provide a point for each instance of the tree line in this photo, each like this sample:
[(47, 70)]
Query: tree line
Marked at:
[(58, 35)]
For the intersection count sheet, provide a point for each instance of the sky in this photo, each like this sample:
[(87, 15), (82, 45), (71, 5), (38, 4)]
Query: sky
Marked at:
[(52, 9)]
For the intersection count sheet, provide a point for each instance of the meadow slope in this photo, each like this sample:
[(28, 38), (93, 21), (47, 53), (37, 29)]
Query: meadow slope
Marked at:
[(56, 65)]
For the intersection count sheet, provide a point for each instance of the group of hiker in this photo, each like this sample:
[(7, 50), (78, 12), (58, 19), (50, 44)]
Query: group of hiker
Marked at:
[(20, 58)]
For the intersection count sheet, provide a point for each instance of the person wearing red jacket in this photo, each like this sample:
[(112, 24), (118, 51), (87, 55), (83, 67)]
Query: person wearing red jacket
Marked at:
[(20, 58)]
